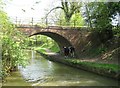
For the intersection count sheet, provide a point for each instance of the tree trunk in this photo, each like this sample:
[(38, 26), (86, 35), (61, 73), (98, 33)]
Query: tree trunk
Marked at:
[(89, 18)]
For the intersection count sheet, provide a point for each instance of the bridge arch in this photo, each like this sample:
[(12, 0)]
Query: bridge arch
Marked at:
[(60, 40), (64, 36)]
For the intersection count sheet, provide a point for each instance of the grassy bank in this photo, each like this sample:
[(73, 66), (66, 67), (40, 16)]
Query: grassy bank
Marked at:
[(44, 49), (110, 67), (108, 70)]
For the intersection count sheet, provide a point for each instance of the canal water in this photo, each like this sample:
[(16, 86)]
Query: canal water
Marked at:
[(42, 72)]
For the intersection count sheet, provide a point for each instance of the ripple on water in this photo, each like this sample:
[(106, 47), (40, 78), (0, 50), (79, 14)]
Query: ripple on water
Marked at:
[(41, 72)]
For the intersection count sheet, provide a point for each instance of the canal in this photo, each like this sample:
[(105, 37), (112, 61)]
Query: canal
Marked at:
[(42, 72)]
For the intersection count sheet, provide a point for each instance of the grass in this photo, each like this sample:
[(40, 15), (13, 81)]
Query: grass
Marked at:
[(40, 49), (44, 47), (112, 67), (54, 49)]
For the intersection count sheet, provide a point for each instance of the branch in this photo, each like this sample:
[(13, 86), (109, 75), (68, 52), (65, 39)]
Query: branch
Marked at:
[(53, 9), (63, 6), (66, 6), (74, 9)]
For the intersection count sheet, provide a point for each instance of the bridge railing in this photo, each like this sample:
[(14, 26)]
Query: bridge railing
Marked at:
[(31, 22)]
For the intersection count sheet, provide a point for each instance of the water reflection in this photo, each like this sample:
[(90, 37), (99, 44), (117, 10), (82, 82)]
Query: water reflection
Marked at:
[(41, 72), (32, 56)]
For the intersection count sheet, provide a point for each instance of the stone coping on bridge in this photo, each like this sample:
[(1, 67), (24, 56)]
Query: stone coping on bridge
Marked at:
[(54, 27)]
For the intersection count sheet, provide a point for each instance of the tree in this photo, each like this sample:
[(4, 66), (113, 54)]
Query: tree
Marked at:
[(87, 13), (69, 8), (114, 8), (100, 17), (77, 20), (13, 43)]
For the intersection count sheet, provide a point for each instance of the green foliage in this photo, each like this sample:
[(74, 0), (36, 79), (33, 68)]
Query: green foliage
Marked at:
[(77, 20), (116, 31), (13, 43), (40, 49), (101, 15), (68, 10), (55, 48), (61, 20), (44, 43), (112, 67)]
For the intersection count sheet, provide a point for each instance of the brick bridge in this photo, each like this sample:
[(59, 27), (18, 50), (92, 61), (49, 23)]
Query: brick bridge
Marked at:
[(64, 36)]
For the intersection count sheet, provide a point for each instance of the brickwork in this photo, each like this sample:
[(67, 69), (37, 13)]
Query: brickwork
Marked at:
[(64, 36)]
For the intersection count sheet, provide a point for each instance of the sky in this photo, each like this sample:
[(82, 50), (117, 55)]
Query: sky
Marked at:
[(26, 9), (31, 8)]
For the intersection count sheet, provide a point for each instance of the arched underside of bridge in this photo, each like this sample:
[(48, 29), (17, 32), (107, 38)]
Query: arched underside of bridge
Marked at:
[(61, 41)]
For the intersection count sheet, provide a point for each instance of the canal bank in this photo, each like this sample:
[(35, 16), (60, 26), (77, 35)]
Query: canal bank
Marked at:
[(42, 72), (14, 80), (110, 70)]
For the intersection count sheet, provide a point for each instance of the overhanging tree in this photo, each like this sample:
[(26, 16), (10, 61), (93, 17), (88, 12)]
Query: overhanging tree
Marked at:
[(69, 8), (13, 43), (101, 15)]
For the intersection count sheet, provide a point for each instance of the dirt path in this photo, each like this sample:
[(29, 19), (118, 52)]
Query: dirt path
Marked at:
[(99, 60)]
